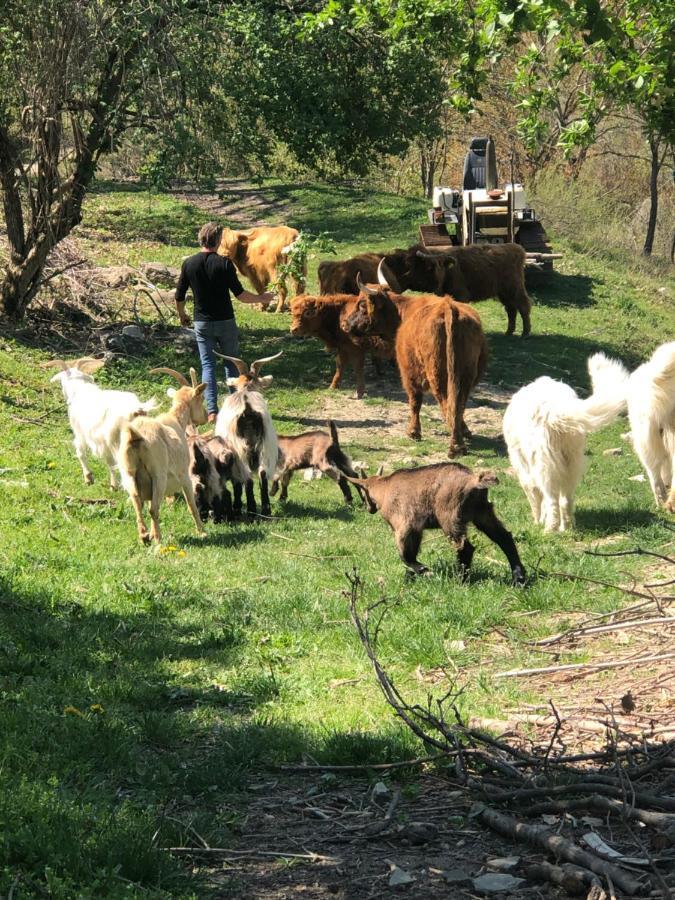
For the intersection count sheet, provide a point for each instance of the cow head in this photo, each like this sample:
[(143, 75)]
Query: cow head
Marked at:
[(304, 311), (407, 270), (439, 266), (249, 378), (234, 245), (370, 312)]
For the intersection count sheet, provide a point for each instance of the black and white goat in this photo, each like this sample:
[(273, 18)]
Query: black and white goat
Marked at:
[(244, 422), (96, 415), (213, 463)]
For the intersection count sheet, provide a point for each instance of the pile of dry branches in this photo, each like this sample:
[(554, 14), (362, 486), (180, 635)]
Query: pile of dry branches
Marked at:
[(630, 781)]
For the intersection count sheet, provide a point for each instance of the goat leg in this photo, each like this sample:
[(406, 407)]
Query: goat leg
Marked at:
[(217, 506), (251, 507), (237, 489), (265, 507), (487, 522), (408, 543)]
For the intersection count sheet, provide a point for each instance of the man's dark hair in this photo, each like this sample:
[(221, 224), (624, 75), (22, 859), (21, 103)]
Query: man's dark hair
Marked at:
[(209, 235)]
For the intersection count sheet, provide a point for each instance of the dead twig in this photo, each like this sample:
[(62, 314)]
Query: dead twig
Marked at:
[(591, 667)]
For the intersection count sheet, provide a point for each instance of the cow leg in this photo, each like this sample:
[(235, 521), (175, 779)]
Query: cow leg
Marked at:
[(487, 522), (511, 313), (377, 363), (408, 543), (282, 294), (358, 361), (454, 419), (265, 507), (339, 363)]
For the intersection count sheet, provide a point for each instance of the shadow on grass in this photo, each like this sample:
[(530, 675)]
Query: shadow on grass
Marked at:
[(100, 737), (559, 289), (600, 522)]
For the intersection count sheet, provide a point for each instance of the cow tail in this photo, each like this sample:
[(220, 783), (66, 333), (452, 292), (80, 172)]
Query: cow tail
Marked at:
[(453, 356)]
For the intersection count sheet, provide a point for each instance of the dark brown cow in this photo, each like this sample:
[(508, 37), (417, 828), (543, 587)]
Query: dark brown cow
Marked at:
[(440, 348), (338, 276), (468, 274), (323, 318)]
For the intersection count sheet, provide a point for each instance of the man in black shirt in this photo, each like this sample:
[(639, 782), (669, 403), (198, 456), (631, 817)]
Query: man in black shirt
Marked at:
[(211, 278)]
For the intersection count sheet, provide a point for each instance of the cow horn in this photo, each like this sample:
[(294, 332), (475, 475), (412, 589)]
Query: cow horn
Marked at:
[(162, 370), (239, 363), (381, 277), (257, 364), (363, 288)]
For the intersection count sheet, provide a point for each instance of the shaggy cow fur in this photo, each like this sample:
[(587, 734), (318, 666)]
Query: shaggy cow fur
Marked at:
[(257, 252), (313, 449), (651, 411), (338, 276), (448, 496), (323, 318), (545, 427), (440, 347), (469, 274)]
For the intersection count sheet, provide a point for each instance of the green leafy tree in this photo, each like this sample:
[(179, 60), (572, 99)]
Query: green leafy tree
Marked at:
[(73, 77)]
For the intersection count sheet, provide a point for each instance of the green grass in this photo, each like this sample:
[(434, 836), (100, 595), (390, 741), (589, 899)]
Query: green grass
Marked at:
[(139, 689)]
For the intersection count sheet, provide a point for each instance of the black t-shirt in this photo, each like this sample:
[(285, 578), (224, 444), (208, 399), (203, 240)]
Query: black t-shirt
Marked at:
[(211, 278)]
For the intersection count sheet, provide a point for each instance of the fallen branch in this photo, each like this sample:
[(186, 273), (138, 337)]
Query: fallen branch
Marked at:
[(242, 854), (364, 767), (599, 803), (560, 847), (591, 667), (602, 629), (573, 879)]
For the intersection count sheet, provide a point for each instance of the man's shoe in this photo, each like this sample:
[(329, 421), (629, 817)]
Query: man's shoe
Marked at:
[(212, 418)]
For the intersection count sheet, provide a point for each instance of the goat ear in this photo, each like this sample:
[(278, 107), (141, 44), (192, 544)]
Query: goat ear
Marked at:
[(88, 365), (266, 381), (487, 479), (199, 390), (171, 392)]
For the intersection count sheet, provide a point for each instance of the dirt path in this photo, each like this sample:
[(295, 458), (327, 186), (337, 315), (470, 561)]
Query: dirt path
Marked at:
[(240, 202)]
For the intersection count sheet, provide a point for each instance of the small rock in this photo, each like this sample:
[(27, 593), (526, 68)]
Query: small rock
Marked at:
[(613, 451), (380, 792), (399, 876), (135, 332), (312, 474), (627, 436), (419, 832), (496, 884), (158, 272), (456, 645), (503, 863), (639, 477), (456, 876)]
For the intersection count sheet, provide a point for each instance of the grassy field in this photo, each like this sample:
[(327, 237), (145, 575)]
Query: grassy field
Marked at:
[(139, 689)]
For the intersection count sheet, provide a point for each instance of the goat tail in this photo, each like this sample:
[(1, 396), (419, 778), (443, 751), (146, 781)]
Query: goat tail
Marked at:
[(148, 406), (662, 366), (334, 434), (609, 379)]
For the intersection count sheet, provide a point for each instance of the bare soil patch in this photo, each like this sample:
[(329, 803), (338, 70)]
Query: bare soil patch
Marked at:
[(239, 201)]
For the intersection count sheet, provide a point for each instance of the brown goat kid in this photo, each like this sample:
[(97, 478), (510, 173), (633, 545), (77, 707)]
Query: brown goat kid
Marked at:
[(440, 348), (448, 496), (314, 449), (324, 318)]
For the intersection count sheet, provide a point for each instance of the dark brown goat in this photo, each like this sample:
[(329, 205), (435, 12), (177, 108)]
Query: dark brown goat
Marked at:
[(313, 449), (440, 347), (448, 496), (323, 318)]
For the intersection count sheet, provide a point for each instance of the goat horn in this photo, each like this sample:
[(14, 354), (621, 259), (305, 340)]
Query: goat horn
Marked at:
[(162, 370), (363, 288), (193, 377), (239, 363), (54, 364), (257, 364)]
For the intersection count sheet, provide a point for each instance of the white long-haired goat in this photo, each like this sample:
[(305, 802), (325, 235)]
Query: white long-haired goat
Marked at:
[(244, 421), (96, 415), (545, 427), (651, 412)]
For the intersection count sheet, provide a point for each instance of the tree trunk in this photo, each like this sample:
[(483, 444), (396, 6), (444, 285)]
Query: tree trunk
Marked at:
[(427, 171), (653, 195)]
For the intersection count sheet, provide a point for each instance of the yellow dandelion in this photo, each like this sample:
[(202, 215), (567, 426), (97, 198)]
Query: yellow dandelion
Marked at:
[(73, 711), (182, 553), (96, 708), (51, 465)]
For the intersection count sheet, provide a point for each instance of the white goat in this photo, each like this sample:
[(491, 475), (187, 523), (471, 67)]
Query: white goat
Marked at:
[(651, 411), (96, 415), (244, 421), (154, 459), (545, 427)]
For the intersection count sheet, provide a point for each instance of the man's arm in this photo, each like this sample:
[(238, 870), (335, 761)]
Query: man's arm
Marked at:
[(247, 297), (181, 291)]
